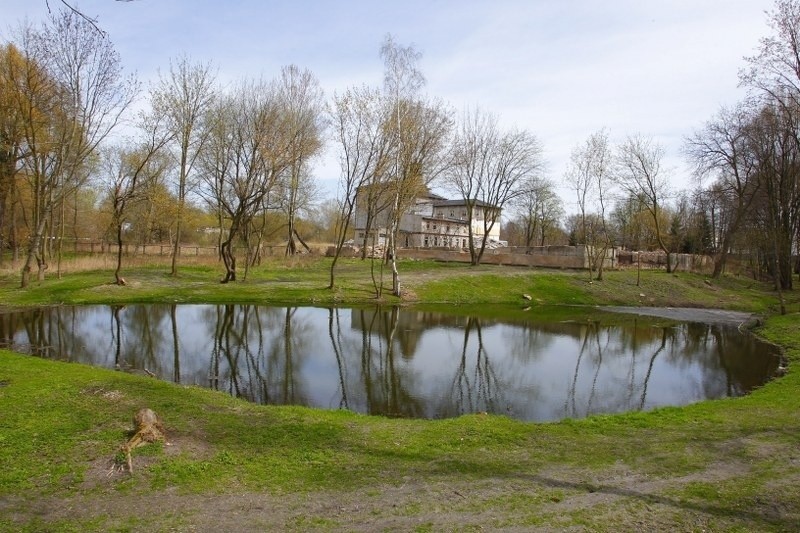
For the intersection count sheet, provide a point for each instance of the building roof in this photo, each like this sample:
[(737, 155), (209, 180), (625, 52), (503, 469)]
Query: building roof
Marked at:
[(459, 221), (453, 203), (431, 196)]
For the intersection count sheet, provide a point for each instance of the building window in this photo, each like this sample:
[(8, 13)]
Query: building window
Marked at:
[(426, 242)]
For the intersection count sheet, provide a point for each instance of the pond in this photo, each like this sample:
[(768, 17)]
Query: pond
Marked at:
[(407, 362)]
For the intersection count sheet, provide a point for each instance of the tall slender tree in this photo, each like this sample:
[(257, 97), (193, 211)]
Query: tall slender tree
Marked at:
[(358, 118), (589, 174), (402, 81), (184, 97), (302, 99)]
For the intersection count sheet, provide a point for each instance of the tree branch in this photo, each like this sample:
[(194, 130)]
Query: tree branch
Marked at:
[(92, 21)]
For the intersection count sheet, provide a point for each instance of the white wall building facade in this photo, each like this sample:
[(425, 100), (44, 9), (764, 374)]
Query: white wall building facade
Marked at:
[(432, 222)]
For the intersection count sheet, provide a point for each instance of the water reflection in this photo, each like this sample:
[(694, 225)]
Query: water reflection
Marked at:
[(402, 362)]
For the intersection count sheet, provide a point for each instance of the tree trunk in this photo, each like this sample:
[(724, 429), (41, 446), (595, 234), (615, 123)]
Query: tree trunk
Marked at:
[(176, 248), (117, 278), (341, 238), (32, 253), (291, 247), (176, 365), (300, 239), (228, 259), (367, 229), (395, 274), (227, 252)]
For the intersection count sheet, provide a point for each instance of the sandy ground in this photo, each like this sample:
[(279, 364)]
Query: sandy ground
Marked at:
[(687, 314)]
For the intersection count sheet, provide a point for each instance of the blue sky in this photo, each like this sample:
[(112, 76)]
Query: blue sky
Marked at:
[(561, 69)]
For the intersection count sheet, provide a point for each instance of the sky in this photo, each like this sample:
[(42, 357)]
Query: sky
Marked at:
[(561, 69)]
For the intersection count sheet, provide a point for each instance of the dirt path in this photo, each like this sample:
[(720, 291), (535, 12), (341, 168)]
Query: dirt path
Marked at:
[(558, 499)]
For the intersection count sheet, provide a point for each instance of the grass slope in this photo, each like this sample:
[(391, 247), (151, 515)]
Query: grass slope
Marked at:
[(720, 465)]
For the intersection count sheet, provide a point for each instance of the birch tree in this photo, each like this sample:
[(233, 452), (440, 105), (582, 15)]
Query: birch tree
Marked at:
[(402, 81)]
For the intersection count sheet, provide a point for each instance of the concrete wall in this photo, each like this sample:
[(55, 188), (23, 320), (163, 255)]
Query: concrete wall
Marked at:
[(542, 256), (555, 257)]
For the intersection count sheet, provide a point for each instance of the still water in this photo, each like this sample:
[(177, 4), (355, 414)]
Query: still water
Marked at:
[(405, 362)]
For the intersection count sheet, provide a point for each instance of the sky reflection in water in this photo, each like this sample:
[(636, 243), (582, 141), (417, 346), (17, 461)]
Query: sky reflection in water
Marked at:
[(405, 362)]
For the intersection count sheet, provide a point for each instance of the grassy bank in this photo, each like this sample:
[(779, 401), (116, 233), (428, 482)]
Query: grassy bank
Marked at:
[(229, 465), (304, 281)]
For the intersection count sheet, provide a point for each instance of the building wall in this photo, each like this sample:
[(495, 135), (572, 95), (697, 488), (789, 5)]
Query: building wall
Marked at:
[(425, 225)]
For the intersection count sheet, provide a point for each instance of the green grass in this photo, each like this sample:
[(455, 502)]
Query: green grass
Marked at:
[(304, 281), (61, 425)]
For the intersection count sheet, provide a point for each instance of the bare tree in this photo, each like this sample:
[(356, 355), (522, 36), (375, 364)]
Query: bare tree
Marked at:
[(774, 143), (602, 166), (721, 150), (184, 97), (358, 118), (124, 170), (490, 169), (579, 176), (249, 147), (774, 72), (773, 75), (589, 174), (402, 81), (471, 162), (639, 174), (302, 99), (85, 98), (539, 210)]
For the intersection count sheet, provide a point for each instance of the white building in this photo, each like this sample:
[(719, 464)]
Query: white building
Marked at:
[(432, 222)]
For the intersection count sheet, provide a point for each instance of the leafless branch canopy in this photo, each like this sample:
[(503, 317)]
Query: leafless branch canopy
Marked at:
[(90, 20)]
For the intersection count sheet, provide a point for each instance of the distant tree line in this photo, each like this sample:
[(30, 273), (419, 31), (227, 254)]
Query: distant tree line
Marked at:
[(199, 161)]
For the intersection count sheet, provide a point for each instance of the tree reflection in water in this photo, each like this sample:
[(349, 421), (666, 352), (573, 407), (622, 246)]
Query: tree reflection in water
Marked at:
[(475, 387), (404, 362)]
